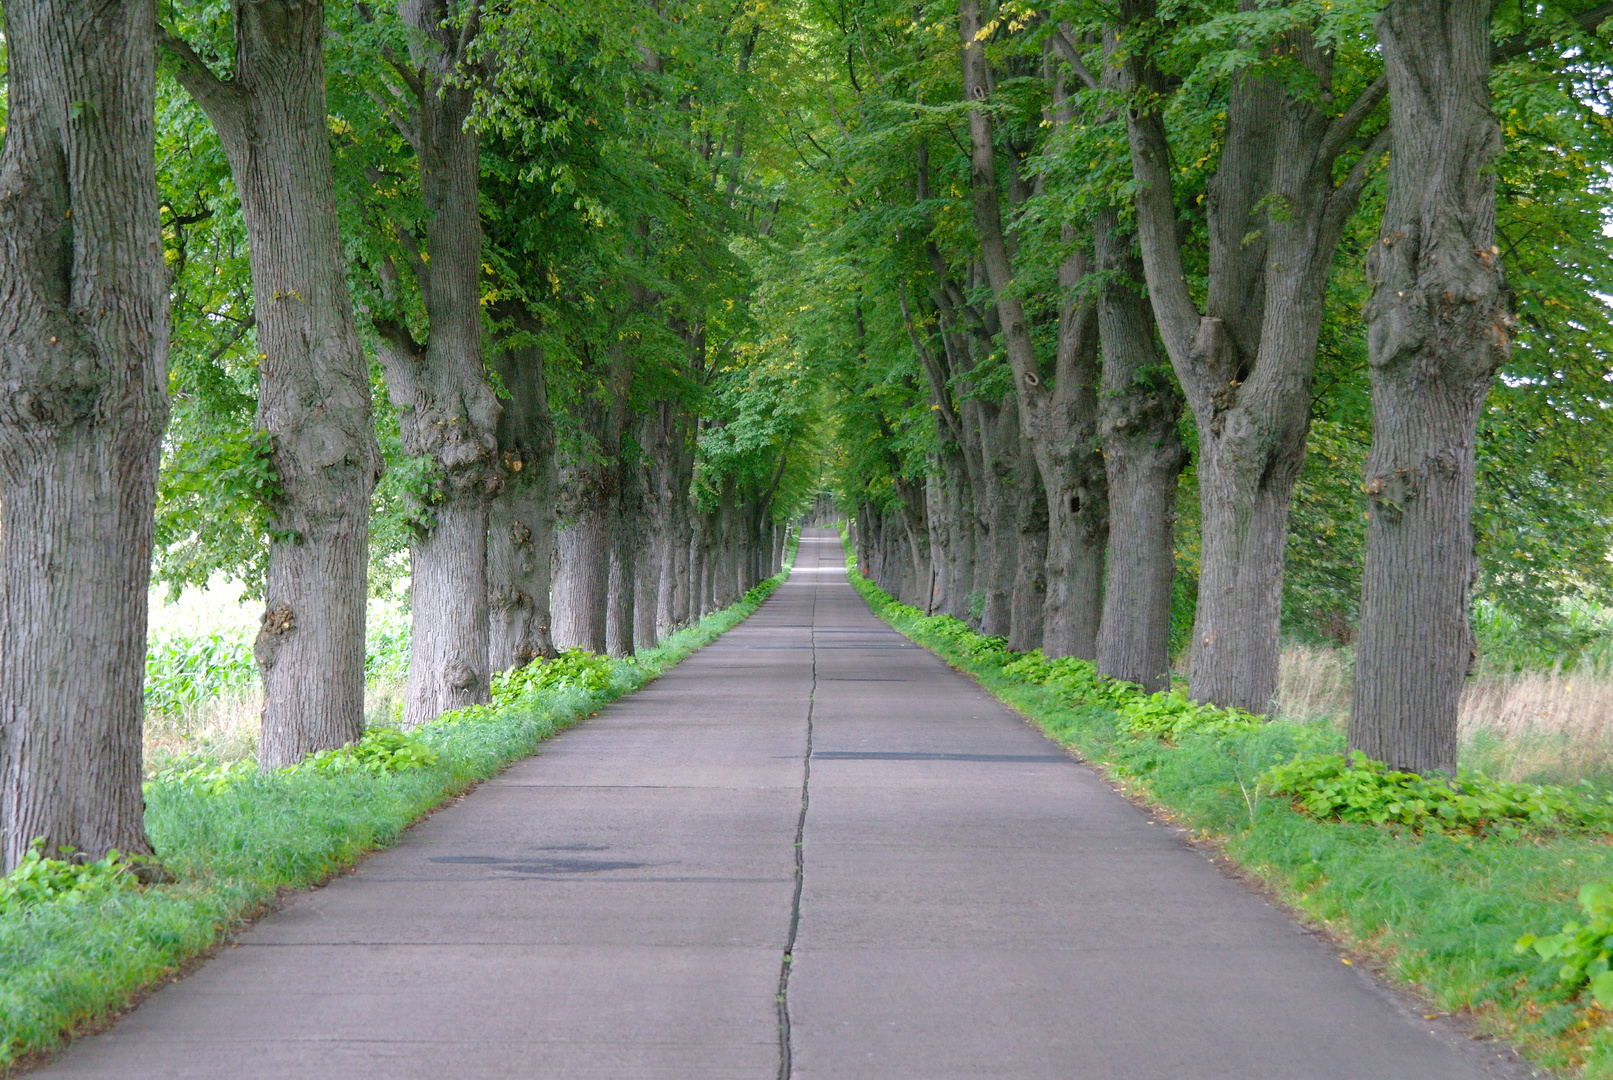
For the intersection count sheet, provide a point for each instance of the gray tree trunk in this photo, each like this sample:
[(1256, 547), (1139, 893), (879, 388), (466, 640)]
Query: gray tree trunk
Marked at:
[(1143, 453), (1275, 214), (1027, 618), (313, 378), (83, 358), (999, 435), (520, 535), (1439, 324), (1058, 421), (448, 412)]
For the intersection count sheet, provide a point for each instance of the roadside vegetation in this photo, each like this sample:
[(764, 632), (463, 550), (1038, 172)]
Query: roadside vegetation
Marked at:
[(1484, 891), (79, 940)]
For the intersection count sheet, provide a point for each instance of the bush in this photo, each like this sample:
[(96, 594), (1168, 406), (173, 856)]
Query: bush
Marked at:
[(573, 669), (380, 752), (39, 880), (1585, 952), (1169, 715), (1330, 787)]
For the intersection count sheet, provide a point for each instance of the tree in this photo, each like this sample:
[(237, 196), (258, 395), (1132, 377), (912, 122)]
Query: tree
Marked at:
[(1274, 212), (313, 377), (83, 353), (435, 377), (1439, 324)]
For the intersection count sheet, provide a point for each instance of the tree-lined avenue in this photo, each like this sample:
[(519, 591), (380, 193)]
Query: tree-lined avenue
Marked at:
[(972, 903)]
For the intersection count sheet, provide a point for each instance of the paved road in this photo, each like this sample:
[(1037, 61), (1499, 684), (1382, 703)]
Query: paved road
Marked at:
[(969, 902)]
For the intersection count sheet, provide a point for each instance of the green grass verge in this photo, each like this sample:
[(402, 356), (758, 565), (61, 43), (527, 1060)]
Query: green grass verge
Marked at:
[(1438, 911), (237, 848)]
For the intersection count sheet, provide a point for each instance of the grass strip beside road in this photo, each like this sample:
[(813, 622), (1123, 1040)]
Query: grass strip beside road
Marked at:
[(1438, 911), (237, 848)]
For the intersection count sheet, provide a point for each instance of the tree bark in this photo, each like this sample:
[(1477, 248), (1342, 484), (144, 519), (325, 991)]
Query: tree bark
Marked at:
[(448, 412), (313, 377), (83, 358), (520, 534), (1439, 325), (1143, 453)]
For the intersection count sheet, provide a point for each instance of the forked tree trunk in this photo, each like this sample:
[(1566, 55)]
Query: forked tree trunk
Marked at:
[(83, 358), (448, 412), (313, 378), (1439, 324), (1143, 453), (1275, 210), (520, 534)]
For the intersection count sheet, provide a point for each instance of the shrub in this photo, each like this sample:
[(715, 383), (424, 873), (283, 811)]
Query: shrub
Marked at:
[(38, 879), (1585, 952), (381, 752), (1330, 787), (1169, 715), (573, 669)]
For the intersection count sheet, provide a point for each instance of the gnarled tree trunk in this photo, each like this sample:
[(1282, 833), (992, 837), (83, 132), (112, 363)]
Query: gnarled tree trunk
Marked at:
[(313, 378), (1438, 326), (83, 359), (448, 412), (1143, 454)]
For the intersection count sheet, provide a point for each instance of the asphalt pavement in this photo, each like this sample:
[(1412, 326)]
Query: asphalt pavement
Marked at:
[(811, 850)]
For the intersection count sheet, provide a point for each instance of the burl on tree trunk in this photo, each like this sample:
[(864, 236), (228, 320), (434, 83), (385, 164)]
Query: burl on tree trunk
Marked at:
[(83, 362), (313, 379), (1439, 324)]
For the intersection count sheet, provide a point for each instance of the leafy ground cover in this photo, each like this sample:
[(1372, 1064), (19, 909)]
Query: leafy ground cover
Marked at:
[(79, 942), (1458, 888)]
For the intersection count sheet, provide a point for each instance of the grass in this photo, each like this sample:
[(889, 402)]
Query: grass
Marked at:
[(236, 848), (1543, 726), (1439, 912)]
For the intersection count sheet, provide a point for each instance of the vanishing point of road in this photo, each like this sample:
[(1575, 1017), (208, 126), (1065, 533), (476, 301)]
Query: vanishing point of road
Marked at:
[(810, 851)]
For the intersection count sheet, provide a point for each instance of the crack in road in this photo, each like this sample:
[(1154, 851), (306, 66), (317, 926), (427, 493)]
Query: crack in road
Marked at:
[(800, 860)]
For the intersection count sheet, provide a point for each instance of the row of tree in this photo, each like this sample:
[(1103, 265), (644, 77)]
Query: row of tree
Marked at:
[(1112, 266), (456, 287)]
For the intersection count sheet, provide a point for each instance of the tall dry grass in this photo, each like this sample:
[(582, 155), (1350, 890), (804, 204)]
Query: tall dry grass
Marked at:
[(1534, 725), (225, 727)]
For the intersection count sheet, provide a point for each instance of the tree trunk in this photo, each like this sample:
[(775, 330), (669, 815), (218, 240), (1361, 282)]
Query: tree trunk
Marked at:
[(1275, 212), (313, 378), (583, 543), (520, 535), (627, 525), (1143, 454), (83, 357), (1028, 619), (1438, 326), (1059, 422), (999, 427), (448, 412)]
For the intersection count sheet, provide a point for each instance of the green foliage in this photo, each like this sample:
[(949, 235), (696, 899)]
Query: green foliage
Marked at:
[(1582, 953), (201, 774), (183, 670), (1329, 787), (573, 669), (380, 752), (1171, 715), (38, 879)]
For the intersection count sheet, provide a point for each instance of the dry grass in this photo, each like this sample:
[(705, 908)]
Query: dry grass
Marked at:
[(1538, 725), (225, 728)]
